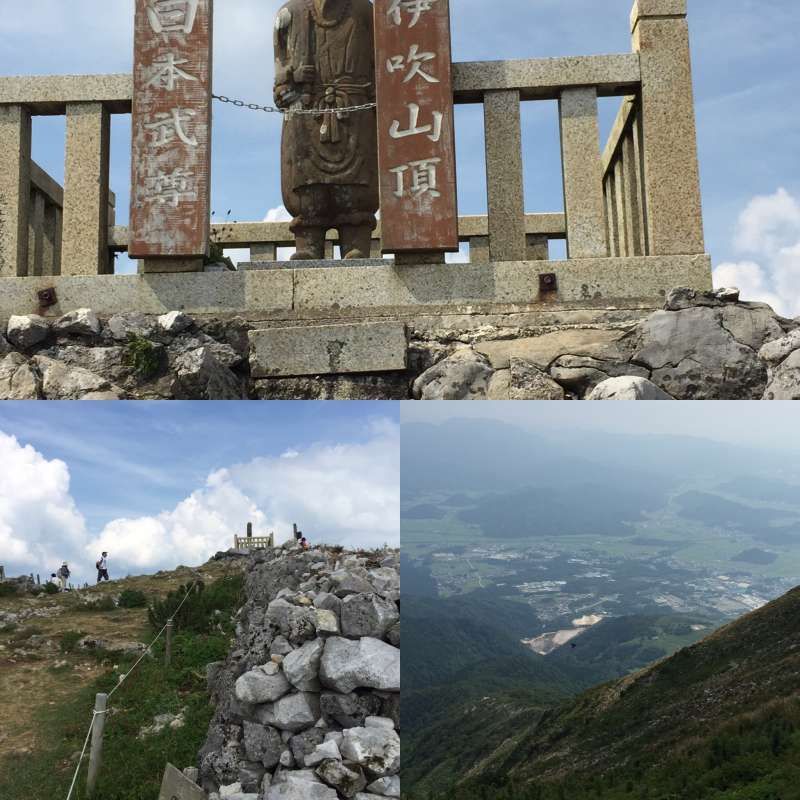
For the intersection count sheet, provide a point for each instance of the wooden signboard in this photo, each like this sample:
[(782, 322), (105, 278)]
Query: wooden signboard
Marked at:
[(416, 142), (171, 152)]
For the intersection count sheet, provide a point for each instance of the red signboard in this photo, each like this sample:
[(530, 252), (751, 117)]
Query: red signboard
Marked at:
[(171, 152), (416, 142)]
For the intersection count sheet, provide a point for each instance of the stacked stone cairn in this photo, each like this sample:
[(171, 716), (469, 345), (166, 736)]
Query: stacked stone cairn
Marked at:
[(307, 703)]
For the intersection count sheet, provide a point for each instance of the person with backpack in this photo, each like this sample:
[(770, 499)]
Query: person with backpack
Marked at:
[(102, 567), (304, 543), (63, 576)]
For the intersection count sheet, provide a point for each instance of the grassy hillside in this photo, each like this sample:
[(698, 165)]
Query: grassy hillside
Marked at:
[(719, 720), (48, 682)]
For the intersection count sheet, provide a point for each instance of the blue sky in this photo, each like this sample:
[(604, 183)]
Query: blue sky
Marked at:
[(161, 483), (746, 80)]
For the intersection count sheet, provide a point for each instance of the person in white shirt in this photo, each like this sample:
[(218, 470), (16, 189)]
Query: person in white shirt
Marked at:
[(102, 567), (63, 576)]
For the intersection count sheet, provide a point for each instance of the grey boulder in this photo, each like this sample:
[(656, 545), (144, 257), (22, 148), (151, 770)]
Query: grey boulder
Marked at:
[(294, 712), (464, 375), (368, 615), (370, 663), (301, 666), (264, 684), (18, 379)]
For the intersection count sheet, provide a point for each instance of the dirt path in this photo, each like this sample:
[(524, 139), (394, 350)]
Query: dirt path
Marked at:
[(34, 672)]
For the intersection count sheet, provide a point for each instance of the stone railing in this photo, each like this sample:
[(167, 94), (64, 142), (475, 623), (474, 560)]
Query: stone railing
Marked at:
[(640, 197), (254, 542), (264, 238)]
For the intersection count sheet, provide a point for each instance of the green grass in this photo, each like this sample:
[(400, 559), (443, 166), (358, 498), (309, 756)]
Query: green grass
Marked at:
[(132, 768)]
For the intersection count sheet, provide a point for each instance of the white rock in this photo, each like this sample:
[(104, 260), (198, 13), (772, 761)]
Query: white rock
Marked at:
[(627, 388), (322, 752), (82, 321), (175, 322), (375, 749), (379, 722), (27, 330)]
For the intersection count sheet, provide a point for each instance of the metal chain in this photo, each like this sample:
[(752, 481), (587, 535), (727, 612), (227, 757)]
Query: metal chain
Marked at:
[(288, 111)]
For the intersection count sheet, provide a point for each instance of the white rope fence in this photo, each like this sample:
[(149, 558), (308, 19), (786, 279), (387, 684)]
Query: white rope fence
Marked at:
[(122, 680)]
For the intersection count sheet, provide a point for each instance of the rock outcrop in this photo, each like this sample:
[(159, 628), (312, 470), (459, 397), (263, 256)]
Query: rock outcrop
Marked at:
[(307, 703), (699, 346)]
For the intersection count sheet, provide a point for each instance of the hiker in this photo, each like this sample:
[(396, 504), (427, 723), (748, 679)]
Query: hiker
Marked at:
[(63, 576), (304, 543), (102, 567)]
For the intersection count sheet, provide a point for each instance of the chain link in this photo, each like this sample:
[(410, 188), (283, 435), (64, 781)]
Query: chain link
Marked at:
[(288, 111)]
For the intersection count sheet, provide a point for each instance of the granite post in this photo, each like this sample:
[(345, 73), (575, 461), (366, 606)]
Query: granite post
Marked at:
[(15, 179), (506, 203), (671, 174), (84, 242), (583, 178)]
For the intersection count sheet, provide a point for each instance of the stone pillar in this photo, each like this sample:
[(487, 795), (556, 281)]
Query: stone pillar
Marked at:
[(582, 171), (671, 173), (620, 190), (538, 247), (479, 250), (84, 245), (36, 234), (15, 181), (633, 193), (50, 240), (263, 252), (613, 217), (506, 199)]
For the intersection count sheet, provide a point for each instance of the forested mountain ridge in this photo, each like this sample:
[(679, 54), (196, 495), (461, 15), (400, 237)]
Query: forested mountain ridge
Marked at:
[(719, 719)]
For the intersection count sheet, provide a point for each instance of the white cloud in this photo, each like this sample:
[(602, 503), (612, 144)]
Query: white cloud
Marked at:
[(769, 232), (278, 214), (40, 525), (338, 493)]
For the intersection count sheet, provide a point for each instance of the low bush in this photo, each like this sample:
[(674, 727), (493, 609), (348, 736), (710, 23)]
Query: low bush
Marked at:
[(132, 598), (69, 641)]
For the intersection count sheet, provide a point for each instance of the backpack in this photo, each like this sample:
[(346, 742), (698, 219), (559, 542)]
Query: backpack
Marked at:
[(98, 564)]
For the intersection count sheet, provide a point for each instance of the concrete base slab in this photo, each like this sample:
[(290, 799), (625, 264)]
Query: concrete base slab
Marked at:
[(328, 349), (358, 292)]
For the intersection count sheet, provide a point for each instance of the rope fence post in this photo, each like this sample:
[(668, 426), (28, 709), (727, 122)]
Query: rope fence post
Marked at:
[(168, 649), (96, 752)]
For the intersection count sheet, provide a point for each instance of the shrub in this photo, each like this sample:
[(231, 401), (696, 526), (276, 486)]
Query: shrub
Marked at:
[(7, 589), (69, 641), (197, 613), (50, 588), (142, 357), (105, 603), (132, 598)]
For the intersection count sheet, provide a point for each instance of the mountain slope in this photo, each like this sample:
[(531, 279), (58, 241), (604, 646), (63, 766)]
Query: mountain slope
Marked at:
[(719, 719)]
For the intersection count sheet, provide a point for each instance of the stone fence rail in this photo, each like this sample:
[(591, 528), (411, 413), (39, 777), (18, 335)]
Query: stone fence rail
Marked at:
[(638, 197)]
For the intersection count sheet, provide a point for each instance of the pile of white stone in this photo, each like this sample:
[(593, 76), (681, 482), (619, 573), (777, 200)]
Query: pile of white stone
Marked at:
[(307, 703)]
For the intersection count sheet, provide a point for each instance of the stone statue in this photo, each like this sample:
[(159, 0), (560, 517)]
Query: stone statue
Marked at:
[(324, 60)]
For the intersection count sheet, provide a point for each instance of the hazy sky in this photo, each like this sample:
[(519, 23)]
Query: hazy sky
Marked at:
[(746, 77), (772, 425), (158, 484)]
